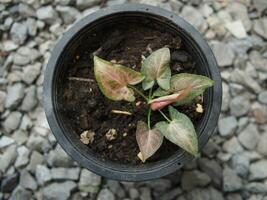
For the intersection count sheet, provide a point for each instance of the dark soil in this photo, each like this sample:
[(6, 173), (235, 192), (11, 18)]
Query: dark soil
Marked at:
[(85, 108)]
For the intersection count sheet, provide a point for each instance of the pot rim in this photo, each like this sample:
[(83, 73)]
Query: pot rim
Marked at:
[(97, 166)]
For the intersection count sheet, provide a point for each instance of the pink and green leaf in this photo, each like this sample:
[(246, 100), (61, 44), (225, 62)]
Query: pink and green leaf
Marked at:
[(180, 131), (156, 68), (181, 81), (161, 102), (113, 79), (148, 140)]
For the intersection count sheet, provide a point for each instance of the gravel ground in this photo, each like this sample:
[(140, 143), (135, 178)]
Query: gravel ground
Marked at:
[(234, 163)]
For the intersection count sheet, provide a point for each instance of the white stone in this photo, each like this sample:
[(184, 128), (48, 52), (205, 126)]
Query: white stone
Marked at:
[(260, 27), (23, 157), (2, 100), (88, 180), (42, 174), (263, 97), (15, 94), (223, 53), (262, 147), (239, 11), (18, 33), (105, 194), (231, 182), (206, 10), (12, 122), (258, 170), (30, 99), (9, 45), (195, 19), (31, 72), (27, 181), (237, 29), (227, 126), (5, 141), (69, 14), (83, 4), (59, 191), (232, 146), (61, 173), (47, 14), (20, 136), (243, 78), (7, 158), (249, 137)]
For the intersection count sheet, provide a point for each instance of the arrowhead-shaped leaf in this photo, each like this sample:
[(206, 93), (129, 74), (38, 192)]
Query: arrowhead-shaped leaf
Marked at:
[(156, 68), (161, 102), (149, 141), (160, 92), (181, 81), (180, 131), (113, 79)]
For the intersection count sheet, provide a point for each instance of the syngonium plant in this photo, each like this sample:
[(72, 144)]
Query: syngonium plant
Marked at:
[(117, 83)]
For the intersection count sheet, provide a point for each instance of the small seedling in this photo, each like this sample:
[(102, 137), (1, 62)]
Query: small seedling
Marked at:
[(117, 82)]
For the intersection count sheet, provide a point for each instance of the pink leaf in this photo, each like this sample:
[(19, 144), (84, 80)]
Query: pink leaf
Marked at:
[(149, 140), (161, 102), (113, 79)]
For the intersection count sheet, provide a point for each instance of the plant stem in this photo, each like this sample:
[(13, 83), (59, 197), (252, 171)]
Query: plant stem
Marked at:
[(164, 116), (149, 111), (150, 93), (139, 92), (148, 118)]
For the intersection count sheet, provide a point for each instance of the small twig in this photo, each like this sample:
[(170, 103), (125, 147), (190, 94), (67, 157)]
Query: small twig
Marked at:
[(148, 118), (121, 112), (81, 79), (149, 111)]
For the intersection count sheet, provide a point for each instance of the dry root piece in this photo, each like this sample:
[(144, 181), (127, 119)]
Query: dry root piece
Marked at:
[(148, 48), (138, 103), (199, 108), (142, 58), (111, 134), (87, 137)]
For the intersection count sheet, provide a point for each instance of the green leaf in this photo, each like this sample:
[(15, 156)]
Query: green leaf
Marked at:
[(190, 97), (160, 92), (181, 81), (149, 141), (164, 79), (180, 131), (198, 82), (113, 79), (156, 68)]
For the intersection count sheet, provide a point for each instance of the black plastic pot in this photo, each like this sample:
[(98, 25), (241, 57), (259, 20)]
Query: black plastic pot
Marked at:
[(73, 39)]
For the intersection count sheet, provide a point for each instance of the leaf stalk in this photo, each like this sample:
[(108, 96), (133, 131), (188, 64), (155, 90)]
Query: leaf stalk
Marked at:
[(138, 92), (164, 116)]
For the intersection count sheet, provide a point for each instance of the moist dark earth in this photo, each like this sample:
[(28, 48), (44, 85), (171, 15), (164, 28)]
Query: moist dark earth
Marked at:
[(84, 107)]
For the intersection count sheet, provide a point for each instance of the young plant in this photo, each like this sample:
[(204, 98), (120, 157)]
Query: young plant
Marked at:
[(117, 83)]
